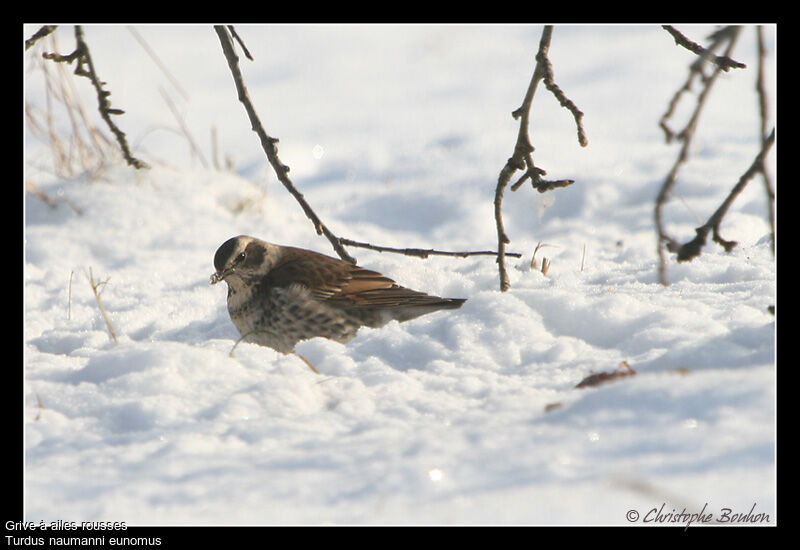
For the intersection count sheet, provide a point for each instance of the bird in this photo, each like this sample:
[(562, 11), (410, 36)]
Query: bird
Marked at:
[(280, 295)]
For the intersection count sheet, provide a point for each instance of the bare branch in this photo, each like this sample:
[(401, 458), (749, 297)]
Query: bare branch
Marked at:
[(269, 144), (688, 251), (423, 253), (522, 158), (41, 33), (724, 62), (241, 43), (762, 107), (563, 100), (85, 67), (685, 136)]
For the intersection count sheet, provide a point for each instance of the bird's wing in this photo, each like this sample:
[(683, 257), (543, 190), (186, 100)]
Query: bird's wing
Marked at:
[(341, 283)]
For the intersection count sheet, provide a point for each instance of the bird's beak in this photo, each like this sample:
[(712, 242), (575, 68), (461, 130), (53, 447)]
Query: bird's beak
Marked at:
[(218, 276)]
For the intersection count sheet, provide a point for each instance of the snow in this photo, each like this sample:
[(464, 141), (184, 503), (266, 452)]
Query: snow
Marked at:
[(395, 134)]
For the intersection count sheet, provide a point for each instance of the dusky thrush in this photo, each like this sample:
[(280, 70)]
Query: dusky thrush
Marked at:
[(280, 295)]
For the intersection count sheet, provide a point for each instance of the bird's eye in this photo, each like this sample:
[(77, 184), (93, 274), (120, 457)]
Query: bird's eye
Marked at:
[(241, 257)]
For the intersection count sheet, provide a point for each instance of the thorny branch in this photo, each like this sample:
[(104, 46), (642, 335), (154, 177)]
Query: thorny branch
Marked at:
[(268, 144), (729, 34), (85, 67), (522, 158)]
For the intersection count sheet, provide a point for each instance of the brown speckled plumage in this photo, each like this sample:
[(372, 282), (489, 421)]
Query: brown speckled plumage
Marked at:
[(280, 295)]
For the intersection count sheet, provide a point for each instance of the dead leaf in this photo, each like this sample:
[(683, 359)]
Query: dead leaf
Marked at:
[(623, 370)]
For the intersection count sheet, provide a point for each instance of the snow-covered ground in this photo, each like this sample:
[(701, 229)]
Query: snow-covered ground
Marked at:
[(396, 135)]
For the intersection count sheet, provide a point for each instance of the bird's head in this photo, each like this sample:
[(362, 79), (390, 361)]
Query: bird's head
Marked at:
[(242, 259)]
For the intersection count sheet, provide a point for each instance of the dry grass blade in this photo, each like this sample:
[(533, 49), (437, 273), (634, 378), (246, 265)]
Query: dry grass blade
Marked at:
[(97, 293)]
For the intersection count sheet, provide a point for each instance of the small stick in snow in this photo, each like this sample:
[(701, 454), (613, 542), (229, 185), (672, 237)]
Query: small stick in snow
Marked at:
[(534, 263)]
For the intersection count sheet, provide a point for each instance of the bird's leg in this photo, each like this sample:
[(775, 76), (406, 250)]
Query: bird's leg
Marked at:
[(307, 362)]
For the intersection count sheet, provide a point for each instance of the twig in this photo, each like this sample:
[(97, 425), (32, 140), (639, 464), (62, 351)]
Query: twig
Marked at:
[(85, 67), (686, 136), (281, 170), (41, 33), (60, 87), (691, 249), (563, 100), (762, 108), (583, 256), (423, 253), (100, 304), (241, 42), (696, 68), (669, 135), (724, 62), (269, 144), (522, 159)]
